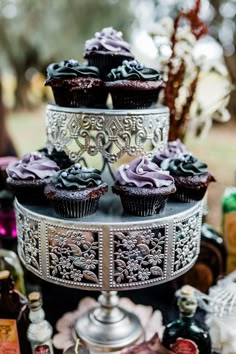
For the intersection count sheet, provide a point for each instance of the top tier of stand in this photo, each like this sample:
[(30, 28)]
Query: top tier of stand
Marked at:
[(109, 134)]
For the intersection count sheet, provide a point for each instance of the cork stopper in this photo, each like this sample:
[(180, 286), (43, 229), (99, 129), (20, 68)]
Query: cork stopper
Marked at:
[(187, 290), (4, 274), (35, 300)]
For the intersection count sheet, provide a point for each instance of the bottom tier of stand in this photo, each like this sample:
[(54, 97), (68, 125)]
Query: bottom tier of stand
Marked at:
[(109, 251)]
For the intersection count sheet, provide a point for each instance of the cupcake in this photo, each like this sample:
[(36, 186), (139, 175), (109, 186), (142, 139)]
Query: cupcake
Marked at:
[(132, 85), (143, 187), (75, 191), (76, 85), (60, 157), (107, 50), (173, 149), (191, 177), (28, 177)]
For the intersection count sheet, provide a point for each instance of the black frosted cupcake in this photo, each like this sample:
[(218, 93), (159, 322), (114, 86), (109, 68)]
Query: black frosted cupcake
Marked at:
[(107, 50), (76, 85), (28, 177), (143, 187), (134, 86), (173, 149), (191, 177), (75, 192), (60, 157)]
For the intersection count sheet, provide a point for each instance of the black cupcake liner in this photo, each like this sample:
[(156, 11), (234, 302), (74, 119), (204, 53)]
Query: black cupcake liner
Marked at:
[(94, 97), (136, 99), (106, 62), (188, 195), (30, 195), (75, 208), (143, 205)]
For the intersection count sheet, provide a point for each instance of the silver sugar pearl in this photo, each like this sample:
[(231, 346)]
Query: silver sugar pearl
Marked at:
[(77, 165), (126, 167), (64, 174), (140, 170)]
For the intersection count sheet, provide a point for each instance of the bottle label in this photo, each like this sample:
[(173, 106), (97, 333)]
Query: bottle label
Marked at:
[(184, 346), (9, 341), (42, 349)]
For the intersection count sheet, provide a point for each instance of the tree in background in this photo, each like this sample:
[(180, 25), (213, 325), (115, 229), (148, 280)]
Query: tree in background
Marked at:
[(35, 33)]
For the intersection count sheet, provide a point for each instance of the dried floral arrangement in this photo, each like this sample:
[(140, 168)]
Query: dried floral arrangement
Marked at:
[(186, 76)]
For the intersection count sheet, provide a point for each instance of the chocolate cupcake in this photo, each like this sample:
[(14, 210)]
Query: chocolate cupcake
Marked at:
[(60, 157), (173, 150), (28, 177), (75, 192), (134, 86), (191, 177), (143, 187), (76, 85), (107, 50)]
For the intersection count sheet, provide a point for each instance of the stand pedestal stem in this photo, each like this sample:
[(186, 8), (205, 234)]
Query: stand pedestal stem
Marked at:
[(108, 327)]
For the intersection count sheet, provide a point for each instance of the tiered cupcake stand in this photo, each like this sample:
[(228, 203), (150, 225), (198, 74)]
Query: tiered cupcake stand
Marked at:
[(108, 251)]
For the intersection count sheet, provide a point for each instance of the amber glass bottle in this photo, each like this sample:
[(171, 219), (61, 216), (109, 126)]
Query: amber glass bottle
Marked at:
[(185, 335), (14, 319)]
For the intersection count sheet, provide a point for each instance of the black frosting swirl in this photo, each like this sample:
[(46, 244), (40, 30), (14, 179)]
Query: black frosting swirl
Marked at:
[(77, 177), (70, 69), (60, 157), (187, 165), (133, 70)]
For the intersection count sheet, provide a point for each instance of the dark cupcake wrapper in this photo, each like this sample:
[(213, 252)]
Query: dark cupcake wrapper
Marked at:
[(143, 205), (75, 208), (29, 194), (106, 62), (136, 99), (188, 195), (94, 97)]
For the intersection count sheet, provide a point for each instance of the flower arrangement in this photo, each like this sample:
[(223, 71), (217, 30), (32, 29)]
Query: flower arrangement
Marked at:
[(184, 93)]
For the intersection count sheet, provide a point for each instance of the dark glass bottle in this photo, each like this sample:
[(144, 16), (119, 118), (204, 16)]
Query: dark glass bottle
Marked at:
[(185, 335), (14, 319)]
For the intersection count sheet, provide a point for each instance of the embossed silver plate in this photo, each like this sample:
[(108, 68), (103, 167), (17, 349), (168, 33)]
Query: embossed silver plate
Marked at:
[(112, 134), (109, 250)]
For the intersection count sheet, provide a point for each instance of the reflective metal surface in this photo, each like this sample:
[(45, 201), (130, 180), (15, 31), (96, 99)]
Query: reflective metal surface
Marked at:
[(109, 250), (82, 132), (108, 327)]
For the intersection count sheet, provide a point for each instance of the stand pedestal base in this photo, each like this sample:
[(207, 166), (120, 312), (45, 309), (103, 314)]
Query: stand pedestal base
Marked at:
[(108, 328)]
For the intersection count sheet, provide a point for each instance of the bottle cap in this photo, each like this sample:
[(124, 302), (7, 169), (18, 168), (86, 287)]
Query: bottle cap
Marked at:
[(35, 300), (187, 290), (4, 274)]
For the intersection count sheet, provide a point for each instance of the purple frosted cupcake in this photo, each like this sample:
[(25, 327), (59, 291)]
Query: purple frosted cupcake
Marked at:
[(132, 85), (143, 187), (76, 85), (191, 177), (75, 191), (28, 177), (107, 50), (173, 149)]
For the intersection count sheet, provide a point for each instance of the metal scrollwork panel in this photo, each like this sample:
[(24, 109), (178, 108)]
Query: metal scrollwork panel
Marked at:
[(73, 256), (138, 256), (111, 133), (29, 242), (187, 236)]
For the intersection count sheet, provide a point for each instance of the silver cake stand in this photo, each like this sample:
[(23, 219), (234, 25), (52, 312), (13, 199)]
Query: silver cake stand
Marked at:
[(108, 251)]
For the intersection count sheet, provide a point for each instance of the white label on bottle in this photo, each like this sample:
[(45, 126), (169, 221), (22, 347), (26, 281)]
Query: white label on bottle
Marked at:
[(42, 349), (184, 346)]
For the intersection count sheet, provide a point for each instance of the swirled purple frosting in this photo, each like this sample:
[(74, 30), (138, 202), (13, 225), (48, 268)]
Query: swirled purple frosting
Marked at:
[(143, 173), (32, 166), (173, 149), (108, 40)]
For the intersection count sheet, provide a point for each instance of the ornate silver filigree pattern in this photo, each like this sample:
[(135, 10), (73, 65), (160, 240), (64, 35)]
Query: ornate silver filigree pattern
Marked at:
[(109, 252), (139, 256), (186, 242), (28, 231), (112, 133), (73, 255)]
